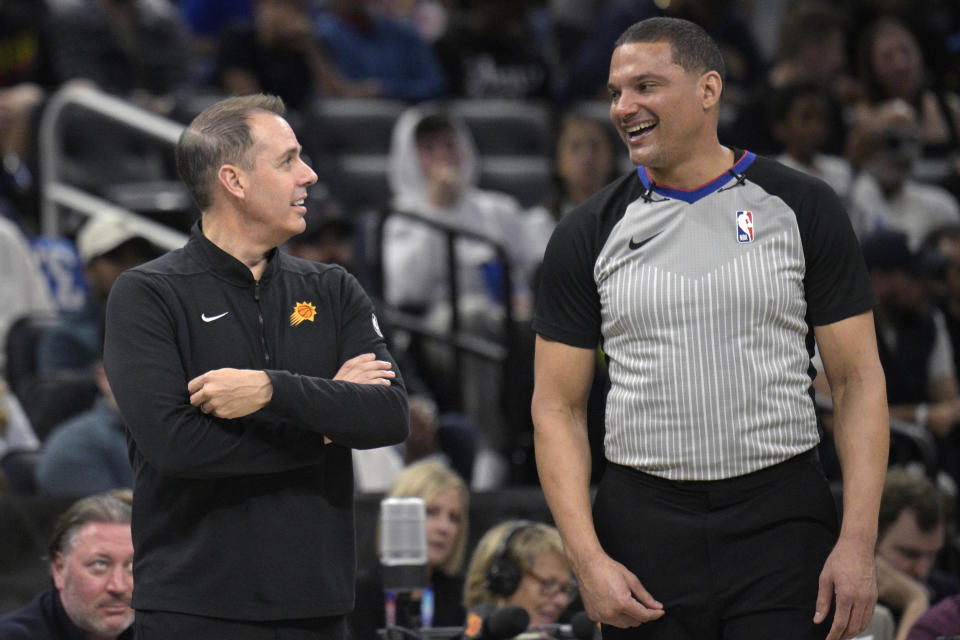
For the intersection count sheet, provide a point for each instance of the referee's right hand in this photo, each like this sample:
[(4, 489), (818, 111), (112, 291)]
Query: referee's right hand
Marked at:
[(613, 595)]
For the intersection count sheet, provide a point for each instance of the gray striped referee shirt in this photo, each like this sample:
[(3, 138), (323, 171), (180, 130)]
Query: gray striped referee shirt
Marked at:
[(704, 303)]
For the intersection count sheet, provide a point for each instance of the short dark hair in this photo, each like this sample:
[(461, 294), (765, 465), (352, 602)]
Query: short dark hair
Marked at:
[(111, 507), (432, 124), (220, 134), (691, 47), (785, 97), (906, 489)]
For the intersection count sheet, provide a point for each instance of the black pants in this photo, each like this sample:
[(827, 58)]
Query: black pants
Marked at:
[(735, 559), (165, 625)]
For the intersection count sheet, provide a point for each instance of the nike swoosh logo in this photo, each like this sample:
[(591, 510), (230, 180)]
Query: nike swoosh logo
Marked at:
[(637, 245), (207, 318)]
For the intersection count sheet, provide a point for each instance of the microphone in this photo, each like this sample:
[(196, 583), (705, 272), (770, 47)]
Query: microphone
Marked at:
[(506, 622), (581, 627), (403, 558)]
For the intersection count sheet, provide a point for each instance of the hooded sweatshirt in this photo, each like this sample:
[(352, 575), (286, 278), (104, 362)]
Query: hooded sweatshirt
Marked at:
[(415, 255)]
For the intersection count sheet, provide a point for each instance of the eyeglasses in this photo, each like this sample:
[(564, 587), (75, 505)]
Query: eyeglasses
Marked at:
[(549, 587)]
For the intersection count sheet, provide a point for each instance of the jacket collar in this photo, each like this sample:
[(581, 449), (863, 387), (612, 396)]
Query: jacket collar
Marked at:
[(225, 265)]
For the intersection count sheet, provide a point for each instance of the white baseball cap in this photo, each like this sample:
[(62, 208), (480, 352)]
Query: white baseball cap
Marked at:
[(103, 234)]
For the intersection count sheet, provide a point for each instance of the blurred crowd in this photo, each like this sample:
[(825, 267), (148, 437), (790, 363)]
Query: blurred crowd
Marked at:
[(864, 94)]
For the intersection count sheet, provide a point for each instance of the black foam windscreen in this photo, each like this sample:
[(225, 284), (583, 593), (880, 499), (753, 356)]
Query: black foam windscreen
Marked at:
[(505, 622)]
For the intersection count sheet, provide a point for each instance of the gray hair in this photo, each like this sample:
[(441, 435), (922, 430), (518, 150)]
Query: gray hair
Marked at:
[(111, 507), (220, 134)]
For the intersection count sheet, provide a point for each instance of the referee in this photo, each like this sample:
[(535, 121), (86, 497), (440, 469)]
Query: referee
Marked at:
[(707, 275)]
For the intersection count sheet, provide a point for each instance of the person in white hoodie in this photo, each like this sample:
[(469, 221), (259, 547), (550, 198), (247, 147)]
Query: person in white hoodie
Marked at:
[(433, 173)]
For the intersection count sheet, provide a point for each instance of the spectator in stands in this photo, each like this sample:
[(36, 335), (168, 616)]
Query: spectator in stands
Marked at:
[(911, 335), (943, 245), (492, 51), (388, 56), (932, 22), (891, 65), (585, 159), (586, 76), (944, 242), (520, 563), (448, 438), (433, 170), (448, 505), (91, 560), (812, 43), (208, 19), (108, 246), (23, 289), (137, 49), (940, 621), (279, 53), (25, 75), (329, 238), (912, 530), (88, 453), (883, 147), (802, 124)]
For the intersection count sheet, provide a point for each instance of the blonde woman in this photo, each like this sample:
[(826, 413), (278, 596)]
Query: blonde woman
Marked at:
[(448, 503), (520, 563)]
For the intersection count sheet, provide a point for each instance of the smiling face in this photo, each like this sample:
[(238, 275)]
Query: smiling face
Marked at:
[(444, 523), (663, 113), (95, 579), (275, 185)]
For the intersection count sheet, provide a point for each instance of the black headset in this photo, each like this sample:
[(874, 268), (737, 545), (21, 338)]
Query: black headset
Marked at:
[(504, 575)]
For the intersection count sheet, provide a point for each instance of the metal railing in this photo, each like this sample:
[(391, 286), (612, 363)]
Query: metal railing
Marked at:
[(57, 196), (462, 342)]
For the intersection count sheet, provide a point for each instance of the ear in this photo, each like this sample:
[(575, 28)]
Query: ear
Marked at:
[(58, 570), (711, 86), (232, 179)]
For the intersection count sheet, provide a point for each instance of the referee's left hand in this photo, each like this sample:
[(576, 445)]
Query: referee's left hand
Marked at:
[(849, 579)]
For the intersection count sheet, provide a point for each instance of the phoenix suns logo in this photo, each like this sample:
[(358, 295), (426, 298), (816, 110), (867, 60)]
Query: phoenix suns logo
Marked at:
[(302, 311)]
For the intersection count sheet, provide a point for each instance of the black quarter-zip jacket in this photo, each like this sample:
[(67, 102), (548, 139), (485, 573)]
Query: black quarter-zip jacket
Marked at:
[(252, 518)]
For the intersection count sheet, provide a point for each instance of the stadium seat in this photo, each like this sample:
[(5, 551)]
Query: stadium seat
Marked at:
[(508, 127), (339, 126)]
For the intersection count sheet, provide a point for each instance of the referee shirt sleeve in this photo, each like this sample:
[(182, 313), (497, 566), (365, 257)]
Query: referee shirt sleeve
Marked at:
[(837, 284), (568, 303)]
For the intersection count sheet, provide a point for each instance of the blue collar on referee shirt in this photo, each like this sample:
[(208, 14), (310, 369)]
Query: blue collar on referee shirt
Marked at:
[(692, 195)]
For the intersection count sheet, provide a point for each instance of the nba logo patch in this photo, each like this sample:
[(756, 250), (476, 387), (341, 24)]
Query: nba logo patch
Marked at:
[(744, 226)]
